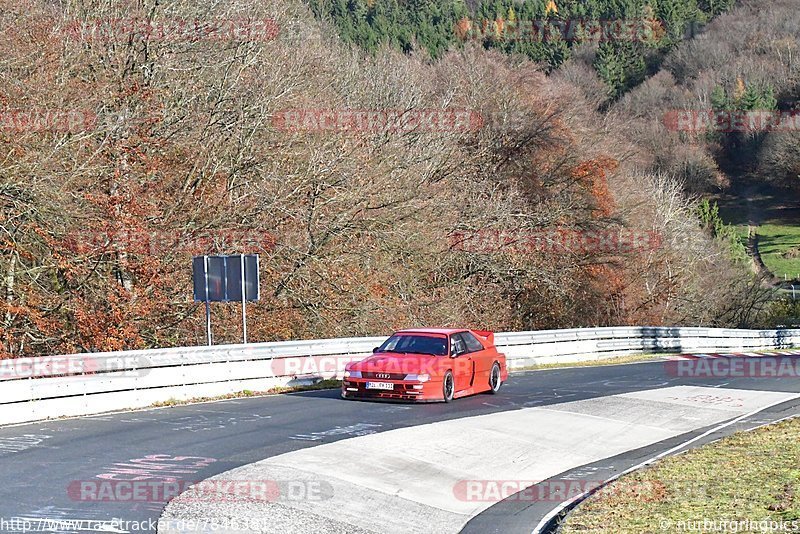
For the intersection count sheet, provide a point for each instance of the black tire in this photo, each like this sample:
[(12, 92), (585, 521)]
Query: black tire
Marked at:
[(494, 379), (448, 387)]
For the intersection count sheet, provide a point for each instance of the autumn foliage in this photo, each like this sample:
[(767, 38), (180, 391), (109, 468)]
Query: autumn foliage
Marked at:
[(355, 229)]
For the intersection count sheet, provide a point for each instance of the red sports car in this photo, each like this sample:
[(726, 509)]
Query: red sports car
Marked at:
[(428, 365)]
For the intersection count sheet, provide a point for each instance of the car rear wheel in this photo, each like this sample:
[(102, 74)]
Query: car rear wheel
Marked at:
[(448, 387), (494, 379)]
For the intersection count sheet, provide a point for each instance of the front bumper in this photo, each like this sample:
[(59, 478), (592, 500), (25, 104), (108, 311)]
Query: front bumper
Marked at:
[(403, 391)]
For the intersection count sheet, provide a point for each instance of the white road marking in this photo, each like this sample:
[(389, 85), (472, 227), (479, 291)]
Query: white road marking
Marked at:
[(21, 443), (737, 400), (360, 429)]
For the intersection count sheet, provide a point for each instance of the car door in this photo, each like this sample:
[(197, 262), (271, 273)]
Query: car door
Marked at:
[(463, 364), (481, 358)]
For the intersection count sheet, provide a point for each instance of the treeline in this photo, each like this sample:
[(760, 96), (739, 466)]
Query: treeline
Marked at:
[(359, 230), (746, 60), (632, 35)]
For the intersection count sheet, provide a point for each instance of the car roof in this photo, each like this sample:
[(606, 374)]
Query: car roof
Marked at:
[(442, 331)]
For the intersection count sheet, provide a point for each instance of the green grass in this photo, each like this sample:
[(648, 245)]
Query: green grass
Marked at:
[(780, 249), (743, 233), (747, 476), (776, 210)]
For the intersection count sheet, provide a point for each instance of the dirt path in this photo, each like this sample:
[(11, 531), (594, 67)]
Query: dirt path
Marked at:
[(755, 216), (758, 262)]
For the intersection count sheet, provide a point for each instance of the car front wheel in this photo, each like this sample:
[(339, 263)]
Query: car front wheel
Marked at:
[(448, 387)]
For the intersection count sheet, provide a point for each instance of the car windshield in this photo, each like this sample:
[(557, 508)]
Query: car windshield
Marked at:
[(416, 344)]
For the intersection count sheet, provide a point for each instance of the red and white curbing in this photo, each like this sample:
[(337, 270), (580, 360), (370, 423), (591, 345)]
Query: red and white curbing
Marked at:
[(734, 355)]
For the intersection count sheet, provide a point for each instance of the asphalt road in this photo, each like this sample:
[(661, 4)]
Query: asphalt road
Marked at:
[(41, 464)]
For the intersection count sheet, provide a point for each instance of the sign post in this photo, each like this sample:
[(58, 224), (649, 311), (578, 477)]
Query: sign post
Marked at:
[(208, 302), (244, 301)]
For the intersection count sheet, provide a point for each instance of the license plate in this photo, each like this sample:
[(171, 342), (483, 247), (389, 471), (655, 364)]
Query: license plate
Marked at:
[(380, 385)]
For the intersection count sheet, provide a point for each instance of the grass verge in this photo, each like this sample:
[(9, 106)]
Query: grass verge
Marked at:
[(323, 384), (780, 249), (749, 476), (617, 360)]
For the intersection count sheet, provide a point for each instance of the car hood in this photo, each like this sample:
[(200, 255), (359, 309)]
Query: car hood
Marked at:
[(407, 363)]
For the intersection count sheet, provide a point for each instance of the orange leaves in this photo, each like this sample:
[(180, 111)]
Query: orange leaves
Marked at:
[(13, 309), (463, 28), (108, 326), (32, 314), (378, 291), (607, 277), (499, 27), (594, 174)]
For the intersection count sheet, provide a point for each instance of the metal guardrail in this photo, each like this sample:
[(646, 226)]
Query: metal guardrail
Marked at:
[(83, 384)]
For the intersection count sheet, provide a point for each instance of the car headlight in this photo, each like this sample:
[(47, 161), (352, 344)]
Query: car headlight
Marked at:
[(352, 374), (418, 378)]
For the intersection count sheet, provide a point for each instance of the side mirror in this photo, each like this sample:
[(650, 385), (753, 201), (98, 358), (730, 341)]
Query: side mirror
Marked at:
[(376, 349)]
